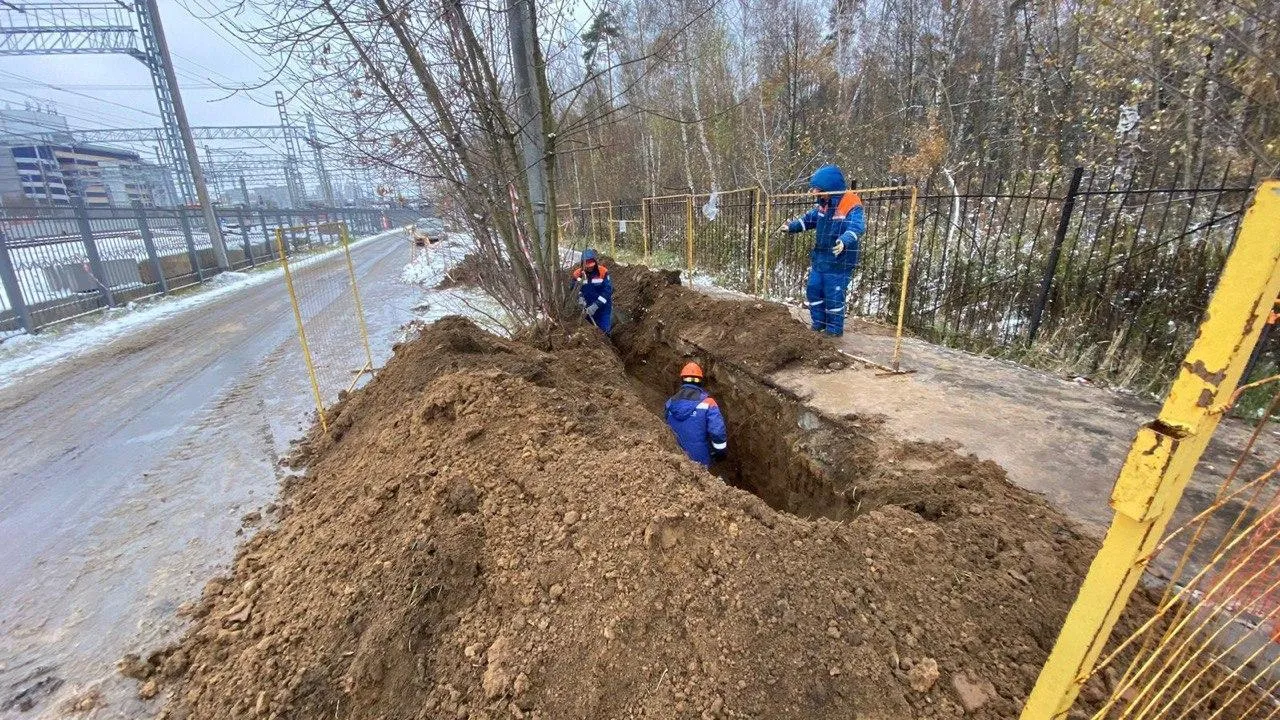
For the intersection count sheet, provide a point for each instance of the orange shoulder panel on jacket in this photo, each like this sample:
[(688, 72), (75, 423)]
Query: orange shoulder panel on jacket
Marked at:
[(577, 273), (710, 401), (848, 202), (603, 270)]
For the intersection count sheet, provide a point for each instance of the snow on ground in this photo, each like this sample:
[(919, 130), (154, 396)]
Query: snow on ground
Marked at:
[(24, 353), (426, 269)]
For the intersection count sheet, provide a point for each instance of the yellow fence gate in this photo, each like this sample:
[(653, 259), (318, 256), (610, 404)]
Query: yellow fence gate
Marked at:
[(1200, 534), (325, 298)]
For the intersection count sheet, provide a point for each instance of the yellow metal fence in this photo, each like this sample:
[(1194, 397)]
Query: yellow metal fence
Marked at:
[(325, 299), (1201, 533)]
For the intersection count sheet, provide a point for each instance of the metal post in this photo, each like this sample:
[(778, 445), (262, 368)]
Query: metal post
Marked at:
[(1165, 453), (91, 249), (906, 279), (184, 129), (244, 235), (266, 234), (326, 187), (1064, 222), (644, 227), (688, 234), (12, 289), (754, 239), (194, 256), (149, 241), (613, 230), (768, 239)]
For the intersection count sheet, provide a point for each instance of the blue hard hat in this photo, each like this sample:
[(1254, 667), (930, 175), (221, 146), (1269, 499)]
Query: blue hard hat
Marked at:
[(828, 178), (588, 254)]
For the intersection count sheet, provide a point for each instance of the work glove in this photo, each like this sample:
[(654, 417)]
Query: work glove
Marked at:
[(581, 303), (785, 228), (592, 309), (837, 248)]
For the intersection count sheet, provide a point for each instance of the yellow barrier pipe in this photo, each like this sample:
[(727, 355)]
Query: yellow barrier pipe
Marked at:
[(1165, 452), (906, 277), (688, 234), (613, 230), (355, 293), (302, 332)]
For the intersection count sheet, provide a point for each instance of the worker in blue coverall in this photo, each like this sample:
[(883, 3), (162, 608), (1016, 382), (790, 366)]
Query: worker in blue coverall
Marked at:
[(695, 418), (839, 223), (595, 290)]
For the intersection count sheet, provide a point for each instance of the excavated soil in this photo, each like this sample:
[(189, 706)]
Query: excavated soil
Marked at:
[(466, 273), (497, 528)]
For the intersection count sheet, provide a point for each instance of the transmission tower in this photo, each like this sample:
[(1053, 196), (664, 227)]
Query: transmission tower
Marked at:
[(297, 191), (123, 27)]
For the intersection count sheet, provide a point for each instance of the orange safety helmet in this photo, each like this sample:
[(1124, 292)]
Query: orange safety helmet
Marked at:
[(691, 372)]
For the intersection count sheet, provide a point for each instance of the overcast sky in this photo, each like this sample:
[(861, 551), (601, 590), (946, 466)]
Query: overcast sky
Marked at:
[(115, 90)]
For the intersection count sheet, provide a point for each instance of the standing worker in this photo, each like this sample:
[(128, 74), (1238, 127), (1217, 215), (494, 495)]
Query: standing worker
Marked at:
[(595, 290), (838, 219), (695, 418)]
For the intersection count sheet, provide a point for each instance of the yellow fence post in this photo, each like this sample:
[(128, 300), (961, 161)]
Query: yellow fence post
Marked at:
[(355, 294), (302, 332), (906, 277), (688, 234), (613, 230), (1165, 452)]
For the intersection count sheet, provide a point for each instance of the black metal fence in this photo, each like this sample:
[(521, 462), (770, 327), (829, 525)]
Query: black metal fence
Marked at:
[(1097, 273), (1085, 274), (60, 263)]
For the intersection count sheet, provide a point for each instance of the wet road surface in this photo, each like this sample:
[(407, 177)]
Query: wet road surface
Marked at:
[(127, 471)]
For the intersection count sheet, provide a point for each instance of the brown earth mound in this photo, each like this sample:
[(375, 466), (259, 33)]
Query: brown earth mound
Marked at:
[(466, 273), (493, 530)]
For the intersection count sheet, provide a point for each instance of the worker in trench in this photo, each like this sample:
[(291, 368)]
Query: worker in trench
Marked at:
[(838, 221), (695, 418), (595, 290)]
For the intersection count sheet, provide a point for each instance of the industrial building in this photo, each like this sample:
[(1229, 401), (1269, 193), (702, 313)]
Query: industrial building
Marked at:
[(37, 171)]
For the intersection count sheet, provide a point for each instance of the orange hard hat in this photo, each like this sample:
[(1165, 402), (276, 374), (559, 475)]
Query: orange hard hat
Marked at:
[(691, 370)]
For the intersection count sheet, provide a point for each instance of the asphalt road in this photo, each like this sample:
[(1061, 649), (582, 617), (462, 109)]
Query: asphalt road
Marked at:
[(127, 471)]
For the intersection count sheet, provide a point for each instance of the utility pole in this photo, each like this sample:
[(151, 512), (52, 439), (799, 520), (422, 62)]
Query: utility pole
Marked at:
[(150, 11), (244, 190), (325, 186), (533, 145)]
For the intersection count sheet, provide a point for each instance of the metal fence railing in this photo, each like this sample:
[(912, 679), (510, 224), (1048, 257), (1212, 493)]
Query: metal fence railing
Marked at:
[(1091, 273), (60, 263)]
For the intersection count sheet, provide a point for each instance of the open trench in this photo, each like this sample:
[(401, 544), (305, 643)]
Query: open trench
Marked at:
[(794, 458)]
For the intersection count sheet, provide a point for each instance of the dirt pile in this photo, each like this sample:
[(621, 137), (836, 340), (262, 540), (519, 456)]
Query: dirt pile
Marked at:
[(494, 530), (466, 273), (759, 336)]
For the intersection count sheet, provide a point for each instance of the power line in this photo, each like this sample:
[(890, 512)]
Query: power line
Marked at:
[(51, 86)]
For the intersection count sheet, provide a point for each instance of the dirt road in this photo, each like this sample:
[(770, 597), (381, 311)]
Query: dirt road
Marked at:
[(110, 515)]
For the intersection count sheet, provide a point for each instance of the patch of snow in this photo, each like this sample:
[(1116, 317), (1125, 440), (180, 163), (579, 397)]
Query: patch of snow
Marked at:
[(427, 267), (55, 344)]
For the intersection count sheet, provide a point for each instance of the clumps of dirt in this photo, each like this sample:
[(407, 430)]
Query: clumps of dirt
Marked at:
[(465, 274), (494, 530), (757, 335)]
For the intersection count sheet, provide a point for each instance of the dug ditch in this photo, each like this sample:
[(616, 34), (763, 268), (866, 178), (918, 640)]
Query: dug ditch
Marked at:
[(497, 528)]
